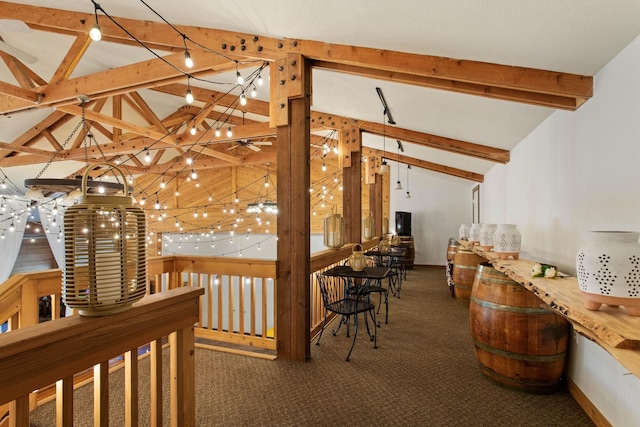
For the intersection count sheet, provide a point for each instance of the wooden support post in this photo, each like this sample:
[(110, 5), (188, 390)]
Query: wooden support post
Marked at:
[(375, 205), (131, 388), (101, 394), (352, 199), (19, 412), (156, 382), (183, 371), (291, 80), (64, 402)]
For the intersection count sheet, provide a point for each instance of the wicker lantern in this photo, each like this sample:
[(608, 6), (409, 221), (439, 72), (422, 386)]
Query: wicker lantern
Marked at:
[(368, 227), (105, 252), (334, 231)]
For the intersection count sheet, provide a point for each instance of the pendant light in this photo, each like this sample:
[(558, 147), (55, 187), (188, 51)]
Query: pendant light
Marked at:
[(399, 184), (384, 167), (408, 196)]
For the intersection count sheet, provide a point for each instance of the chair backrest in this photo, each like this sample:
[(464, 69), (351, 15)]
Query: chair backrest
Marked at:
[(331, 288)]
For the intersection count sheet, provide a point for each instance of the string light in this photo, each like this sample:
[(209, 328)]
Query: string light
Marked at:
[(189, 95), (193, 130), (147, 156), (189, 160), (254, 92), (243, 99), (229, 132), (217, 131), (95, 33), (194, 175), (260, 81), (239, 77)]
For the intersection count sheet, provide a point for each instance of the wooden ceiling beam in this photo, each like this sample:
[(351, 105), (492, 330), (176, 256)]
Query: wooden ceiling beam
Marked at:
[(234, 44), (447, 170), (72, 58)]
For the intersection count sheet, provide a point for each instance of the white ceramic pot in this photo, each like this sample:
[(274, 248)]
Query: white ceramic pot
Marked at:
[(506, 241), (463, 232), (608, 266), (474, 233), (486, 236)]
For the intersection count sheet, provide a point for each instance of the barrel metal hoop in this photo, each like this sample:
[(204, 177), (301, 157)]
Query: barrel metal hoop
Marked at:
[(518, 356), (510, 308), (470, 267)]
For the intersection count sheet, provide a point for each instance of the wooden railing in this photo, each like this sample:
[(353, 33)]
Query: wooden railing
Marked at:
[(237, 307), (34, 357)]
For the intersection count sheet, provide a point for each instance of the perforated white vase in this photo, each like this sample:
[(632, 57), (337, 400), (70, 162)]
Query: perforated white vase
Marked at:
[(506, 241), (474, 233), (463, 232), (608, 266), (486, 236)]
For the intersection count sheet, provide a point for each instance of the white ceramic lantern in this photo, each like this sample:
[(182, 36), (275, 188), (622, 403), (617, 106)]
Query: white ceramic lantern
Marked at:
[(608, 266), (105, 252)]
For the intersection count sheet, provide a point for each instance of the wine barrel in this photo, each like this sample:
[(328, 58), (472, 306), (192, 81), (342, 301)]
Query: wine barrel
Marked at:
[(464, 271), (452, 248), (407, 242), (518, 341)]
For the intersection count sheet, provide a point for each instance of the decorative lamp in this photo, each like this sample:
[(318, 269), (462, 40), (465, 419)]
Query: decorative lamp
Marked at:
[(334, 231), (105, 252), (368, 227)]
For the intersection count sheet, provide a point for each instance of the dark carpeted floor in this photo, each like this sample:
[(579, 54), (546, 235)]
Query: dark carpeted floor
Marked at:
[(424, 373)]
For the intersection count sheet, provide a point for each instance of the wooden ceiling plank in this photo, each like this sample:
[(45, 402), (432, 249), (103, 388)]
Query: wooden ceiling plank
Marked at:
[(447, 170), (71, 59), (116, 108), (52, 140)]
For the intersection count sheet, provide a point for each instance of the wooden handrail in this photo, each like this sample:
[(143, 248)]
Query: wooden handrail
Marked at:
[(37, 356)]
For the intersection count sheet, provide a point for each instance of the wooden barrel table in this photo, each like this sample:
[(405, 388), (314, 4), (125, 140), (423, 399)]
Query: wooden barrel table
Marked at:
[(452, 248), (518, 341), (465, 263), (407, 242)]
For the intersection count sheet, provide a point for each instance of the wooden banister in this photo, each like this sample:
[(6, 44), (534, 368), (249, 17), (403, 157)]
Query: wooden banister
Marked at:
[(40, 355)]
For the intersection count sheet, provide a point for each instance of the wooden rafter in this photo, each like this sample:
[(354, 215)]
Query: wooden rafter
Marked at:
[(447, 170), (482, 74)]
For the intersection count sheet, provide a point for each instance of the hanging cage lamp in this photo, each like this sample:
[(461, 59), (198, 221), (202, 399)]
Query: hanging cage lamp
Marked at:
[(334, 231), (368, 227), (105, 252)]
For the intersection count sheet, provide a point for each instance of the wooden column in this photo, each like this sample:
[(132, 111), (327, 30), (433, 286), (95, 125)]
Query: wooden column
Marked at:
[(290, 112), (352, 199), (375, 205)]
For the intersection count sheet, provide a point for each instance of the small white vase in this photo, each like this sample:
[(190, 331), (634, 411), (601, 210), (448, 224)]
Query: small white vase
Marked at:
[(608, 266), (486, 236), (463, 232), (506, 241), (474, 233)]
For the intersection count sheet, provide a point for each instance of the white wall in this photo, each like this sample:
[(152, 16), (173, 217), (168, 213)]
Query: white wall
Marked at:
[(578, 171), (438, 205)]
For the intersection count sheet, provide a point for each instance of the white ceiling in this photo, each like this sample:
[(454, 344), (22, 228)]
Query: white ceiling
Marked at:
[(573, 36)]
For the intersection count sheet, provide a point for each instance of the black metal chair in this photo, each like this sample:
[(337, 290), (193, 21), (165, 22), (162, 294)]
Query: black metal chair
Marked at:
[(382, 292), (396, 263), (346, 303)]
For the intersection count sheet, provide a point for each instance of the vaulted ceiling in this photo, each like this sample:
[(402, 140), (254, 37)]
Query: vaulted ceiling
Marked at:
[(465, 83)]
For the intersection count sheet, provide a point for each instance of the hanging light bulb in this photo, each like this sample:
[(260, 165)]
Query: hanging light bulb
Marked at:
[(217, 132), (254, 92), (189, 160), (147, 156), (384, 167), (193, 130), (188, 62), (229, 132), (194, 175), (95, 33), (157, 204), (398, 185), (324, 166), (239, 77), (12, 227), (189, 96), (260, 81), (243, 99), (163, 184)]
